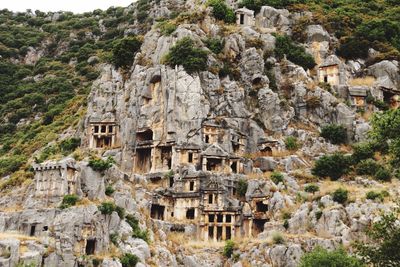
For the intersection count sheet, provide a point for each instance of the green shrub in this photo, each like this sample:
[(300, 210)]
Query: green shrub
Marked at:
[(383, 174), (114, 237), (374, 195), (221, 11), (333, 166), (336, 134), (69, 145), (120, 211), (129, 260), (277, 177), (362, 151), (340, 195), (311, 188), (96, 262), (136, 231), (109, 190), (367, 167), (214, 44), (383, 249), (166, 28), (242, 187), (295, 53), (124, 50), (286, 224), (101, 165), (107, 208), (69, 201), (277, 238), (291, 143), (11, 164), (228, 248), (186, 54), (321, 257)]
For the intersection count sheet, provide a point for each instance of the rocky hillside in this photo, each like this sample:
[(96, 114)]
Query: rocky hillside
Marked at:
[(200, 133)]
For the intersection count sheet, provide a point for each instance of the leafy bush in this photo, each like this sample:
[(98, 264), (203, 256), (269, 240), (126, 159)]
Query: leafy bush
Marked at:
[(361, 152), (186, 54), (129, 260), (383, 175), (101, 165), (367, 167), (322, 257), (109, 190), (11, 164), (137, 232), (69, 201), (311, 188), (336, 134), (69, 145), (107, 208), (333, 166), (228, 248), (291, 143), (124, 51), (166, 27), (242, 187), (340, 195), (214, 44), (286, 224), (114, 238), (221, 11), (277, 177), (383, 249), (295, 53), (374, 195)]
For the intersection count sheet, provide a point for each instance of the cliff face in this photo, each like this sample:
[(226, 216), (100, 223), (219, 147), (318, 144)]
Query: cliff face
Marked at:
[(164, 163)]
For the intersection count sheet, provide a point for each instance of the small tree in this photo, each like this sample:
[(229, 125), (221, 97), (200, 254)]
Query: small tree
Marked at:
[(186, 54), (311, 188), (367, 167), (321, 257), (129, 260), (101, 165), (384, 246), (242, 187), (361, 152), (109, 190), (383, 175), (336, 134), (221, 11), (69, 201), (107, 208), (277, 177), (228, 248), (124, 51), (340, 195), (333, 166)]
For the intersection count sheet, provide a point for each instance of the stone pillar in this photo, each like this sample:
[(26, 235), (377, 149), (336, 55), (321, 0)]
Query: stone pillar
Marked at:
[(223, 227)]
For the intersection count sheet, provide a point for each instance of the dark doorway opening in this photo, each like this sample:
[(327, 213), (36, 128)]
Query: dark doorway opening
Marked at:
[(261, 207), (90, 246), (241, 19), (258, 225), (228, 233), (211, 232), (219, 233), (190, 214), (33, 230), (143, 164), (157, 212), (213, 164)]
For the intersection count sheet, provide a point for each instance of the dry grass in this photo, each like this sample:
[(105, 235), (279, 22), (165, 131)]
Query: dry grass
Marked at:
[(8, 235), (364, 81), (14, 208)]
